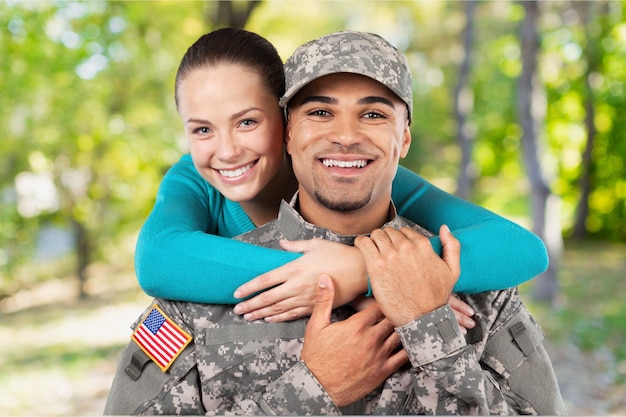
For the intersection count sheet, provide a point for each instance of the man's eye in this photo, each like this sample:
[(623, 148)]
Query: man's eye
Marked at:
[(319, 112), (373, 115)]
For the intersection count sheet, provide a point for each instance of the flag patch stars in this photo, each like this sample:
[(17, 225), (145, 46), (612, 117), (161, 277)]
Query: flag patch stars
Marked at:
[(160, 338)]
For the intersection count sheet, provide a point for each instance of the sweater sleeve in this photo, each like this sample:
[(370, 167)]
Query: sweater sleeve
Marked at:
[(179, 255), (495, 252)]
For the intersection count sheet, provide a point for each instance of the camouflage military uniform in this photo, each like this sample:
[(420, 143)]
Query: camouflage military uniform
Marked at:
[(240, 367)]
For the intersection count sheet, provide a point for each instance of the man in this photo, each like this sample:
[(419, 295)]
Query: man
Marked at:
[(348, 102)]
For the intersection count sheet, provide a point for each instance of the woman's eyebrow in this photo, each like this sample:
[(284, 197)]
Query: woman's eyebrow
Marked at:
[(198, 121)]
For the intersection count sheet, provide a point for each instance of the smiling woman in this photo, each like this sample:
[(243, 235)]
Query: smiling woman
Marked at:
[(234, 130)]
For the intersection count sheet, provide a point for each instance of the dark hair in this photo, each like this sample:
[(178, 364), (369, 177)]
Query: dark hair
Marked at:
[(235, 46)]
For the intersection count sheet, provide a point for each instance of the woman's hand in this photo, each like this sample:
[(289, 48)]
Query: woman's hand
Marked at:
[(463, 313), (295, 284)]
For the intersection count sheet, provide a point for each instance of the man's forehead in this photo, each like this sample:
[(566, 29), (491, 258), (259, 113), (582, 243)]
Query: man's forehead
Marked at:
[(330, 87)]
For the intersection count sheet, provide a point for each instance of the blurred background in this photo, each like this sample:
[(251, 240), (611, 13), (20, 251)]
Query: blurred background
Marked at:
[(519, 107)]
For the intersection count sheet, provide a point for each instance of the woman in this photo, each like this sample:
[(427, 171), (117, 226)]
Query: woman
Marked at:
[(227, 90)]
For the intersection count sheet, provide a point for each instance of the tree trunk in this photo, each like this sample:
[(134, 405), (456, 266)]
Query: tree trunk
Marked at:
[(83, 254), (233, 14), (463, 105), (592, 52), (531, 107)]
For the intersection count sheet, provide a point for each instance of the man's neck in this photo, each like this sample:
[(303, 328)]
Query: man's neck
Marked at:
[(356, 222)]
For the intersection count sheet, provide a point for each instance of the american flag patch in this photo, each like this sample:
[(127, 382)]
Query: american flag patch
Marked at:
[(160, 338)]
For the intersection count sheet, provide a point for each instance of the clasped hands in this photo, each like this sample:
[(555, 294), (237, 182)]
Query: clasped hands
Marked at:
[(409, 280)]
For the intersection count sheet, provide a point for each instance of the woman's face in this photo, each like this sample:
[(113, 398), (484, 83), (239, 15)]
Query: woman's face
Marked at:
[(234, 127)]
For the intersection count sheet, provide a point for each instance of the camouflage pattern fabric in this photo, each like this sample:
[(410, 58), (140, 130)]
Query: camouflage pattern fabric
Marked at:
[(253, 368), (353, 52)]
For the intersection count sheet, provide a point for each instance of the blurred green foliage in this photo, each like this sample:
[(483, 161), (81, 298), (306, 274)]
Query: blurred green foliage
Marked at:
[(90, 124), (590, 312)]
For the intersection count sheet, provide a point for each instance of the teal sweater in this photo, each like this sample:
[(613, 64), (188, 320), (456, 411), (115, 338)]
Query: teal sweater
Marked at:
[(183, 251)]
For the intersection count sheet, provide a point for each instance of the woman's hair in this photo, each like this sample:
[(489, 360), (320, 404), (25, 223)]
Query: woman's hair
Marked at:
[(234, 46)]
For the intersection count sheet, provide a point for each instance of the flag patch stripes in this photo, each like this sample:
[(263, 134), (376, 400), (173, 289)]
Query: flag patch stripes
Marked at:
[(160, 338)]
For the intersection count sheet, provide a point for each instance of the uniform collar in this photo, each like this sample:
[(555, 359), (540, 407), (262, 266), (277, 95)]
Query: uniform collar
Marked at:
[(294, 227)]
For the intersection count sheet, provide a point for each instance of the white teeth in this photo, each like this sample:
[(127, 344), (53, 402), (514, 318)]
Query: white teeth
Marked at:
[(360, 163), (235, 172)]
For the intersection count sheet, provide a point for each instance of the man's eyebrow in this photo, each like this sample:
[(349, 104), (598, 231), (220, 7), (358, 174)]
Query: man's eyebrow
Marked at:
[(318, 99), (377, 99), (331, 100)]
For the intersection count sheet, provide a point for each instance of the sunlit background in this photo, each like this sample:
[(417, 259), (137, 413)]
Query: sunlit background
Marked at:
[(89, 127)]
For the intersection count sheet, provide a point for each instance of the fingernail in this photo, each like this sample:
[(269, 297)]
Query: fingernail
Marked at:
[(237, 294), (471, 323), (238, 309), (247, 316), (322, 282)]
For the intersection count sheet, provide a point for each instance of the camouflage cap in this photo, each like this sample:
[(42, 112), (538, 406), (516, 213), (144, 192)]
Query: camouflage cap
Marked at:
[(349, 51)]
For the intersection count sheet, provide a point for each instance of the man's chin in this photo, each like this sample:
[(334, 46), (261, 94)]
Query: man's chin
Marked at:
[(342, 203)]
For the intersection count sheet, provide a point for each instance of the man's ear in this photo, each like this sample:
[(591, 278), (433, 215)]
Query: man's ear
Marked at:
[(406, 141), (287, 136)]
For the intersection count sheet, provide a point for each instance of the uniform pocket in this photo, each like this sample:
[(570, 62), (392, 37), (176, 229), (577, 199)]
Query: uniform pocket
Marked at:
[(237, 362)]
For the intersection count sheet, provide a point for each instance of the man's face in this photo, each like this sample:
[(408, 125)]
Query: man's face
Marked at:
[(346, 134)]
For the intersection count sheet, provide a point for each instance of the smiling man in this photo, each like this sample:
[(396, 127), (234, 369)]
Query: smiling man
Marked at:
[(346, 149), (348, 103)]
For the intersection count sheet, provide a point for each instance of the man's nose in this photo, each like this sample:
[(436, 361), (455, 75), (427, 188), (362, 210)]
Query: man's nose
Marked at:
[(345, 131)]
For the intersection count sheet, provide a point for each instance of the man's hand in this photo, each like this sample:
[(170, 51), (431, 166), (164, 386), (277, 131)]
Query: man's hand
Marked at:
[(408, 278), (351, 357)]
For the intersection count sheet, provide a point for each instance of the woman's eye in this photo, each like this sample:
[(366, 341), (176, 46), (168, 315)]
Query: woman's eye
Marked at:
[(202, 131), (248, 122)]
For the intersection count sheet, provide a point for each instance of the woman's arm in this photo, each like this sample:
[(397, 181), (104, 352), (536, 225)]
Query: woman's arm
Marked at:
[(495, 252), (178, 255)]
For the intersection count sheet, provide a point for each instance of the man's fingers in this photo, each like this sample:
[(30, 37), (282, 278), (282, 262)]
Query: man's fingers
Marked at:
[(451, 250), (397, 360), (366, 246), (393, 342), (323, 307), (382, 238), (372, 314)]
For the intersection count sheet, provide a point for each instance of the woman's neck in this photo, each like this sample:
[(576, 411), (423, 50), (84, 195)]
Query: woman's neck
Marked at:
[(264, 206)]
